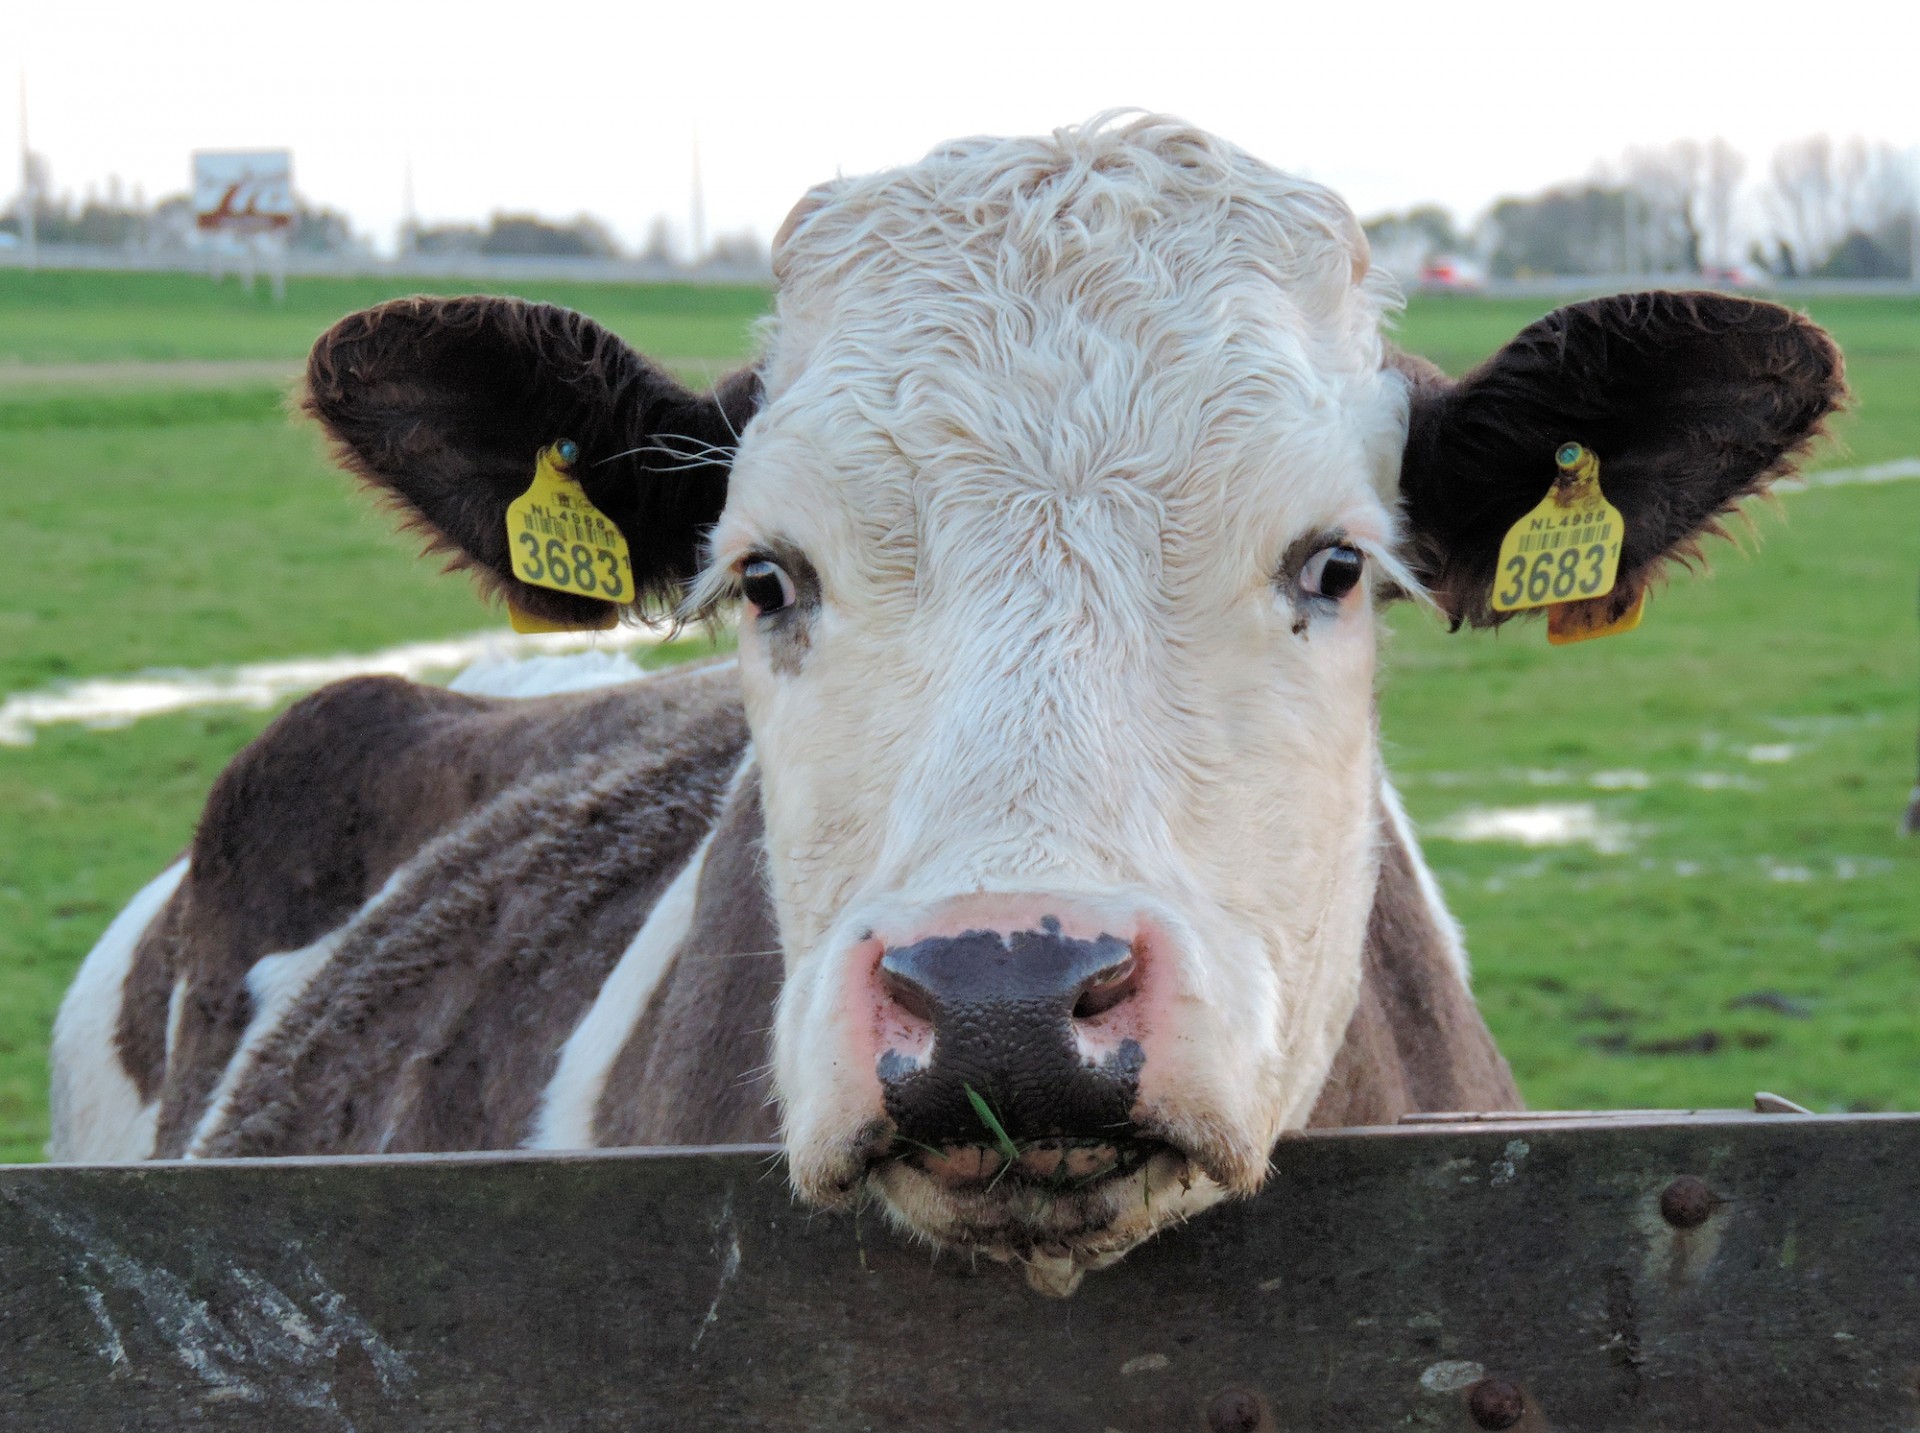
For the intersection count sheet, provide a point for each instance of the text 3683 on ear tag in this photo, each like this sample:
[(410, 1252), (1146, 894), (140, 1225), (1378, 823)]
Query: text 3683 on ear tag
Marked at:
[(1567, 549), (559, 539)]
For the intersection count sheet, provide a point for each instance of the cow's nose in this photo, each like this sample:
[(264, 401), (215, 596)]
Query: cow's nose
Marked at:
[(1017, 1028)]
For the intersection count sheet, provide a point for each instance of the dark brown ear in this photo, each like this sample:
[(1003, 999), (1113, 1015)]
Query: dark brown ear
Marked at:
[(1692, 402), (444, 404)]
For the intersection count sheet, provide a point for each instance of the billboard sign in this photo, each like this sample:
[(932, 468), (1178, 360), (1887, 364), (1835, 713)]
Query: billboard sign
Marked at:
[(243, 191)]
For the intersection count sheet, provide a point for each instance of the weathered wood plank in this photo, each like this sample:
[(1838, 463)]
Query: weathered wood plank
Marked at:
[(1383, 1276)]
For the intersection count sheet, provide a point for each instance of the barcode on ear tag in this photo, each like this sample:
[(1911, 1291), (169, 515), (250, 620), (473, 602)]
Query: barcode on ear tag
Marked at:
[(560, 540), (1567, 549)]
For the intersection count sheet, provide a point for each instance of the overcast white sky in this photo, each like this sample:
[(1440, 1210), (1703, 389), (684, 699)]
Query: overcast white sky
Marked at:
[(560, 106)]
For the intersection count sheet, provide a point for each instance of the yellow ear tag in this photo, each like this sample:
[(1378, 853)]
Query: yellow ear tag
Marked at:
[(561, 540), (1568, 548), (525, 622), (1570, 622)]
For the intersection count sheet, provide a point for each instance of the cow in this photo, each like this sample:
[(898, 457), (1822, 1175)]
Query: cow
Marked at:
[(1032, 869)]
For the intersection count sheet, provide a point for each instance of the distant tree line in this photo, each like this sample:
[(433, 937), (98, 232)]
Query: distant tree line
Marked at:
[(1823, 208), (582, 238), (121, 219)]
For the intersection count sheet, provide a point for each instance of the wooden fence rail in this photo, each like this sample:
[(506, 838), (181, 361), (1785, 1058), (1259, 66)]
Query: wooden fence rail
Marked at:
[(1684, 1271)]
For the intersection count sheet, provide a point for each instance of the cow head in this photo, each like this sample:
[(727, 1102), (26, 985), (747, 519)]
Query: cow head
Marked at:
[(1056, 515)]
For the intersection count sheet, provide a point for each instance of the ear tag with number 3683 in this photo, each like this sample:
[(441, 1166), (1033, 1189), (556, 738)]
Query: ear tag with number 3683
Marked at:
[(560, 540), (1568, 548)]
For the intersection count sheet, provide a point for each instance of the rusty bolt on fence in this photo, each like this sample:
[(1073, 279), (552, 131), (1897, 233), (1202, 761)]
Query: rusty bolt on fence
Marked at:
[(1234, 1411), (1495, 1403), (1687, 1203)]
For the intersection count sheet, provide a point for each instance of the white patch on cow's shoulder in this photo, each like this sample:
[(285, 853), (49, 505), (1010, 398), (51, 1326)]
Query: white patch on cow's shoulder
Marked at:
[(274, 983), (97, 1111), (176, 1012), (565, 1117), (1451, 935)]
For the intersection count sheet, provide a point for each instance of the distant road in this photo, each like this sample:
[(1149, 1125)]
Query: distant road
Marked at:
[(177, 373), (523, 268)]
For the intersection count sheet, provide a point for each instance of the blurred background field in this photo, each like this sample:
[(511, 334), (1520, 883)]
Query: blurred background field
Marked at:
[(1714, 899)]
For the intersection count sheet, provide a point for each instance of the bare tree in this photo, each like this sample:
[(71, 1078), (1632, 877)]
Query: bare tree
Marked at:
[(1829, 196), (657, 247), (1568, 230), (1721, 166), (1801, 199), (1679, 203), (741, 252), (1878, 185), (1403, 243), (1665, 191)]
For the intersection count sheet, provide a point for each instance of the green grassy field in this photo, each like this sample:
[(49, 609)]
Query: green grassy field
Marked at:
[(1758, 925), (106, 317)]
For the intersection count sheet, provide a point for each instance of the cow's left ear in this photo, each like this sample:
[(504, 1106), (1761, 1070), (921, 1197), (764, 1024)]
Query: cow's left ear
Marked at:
[(1691, 401), (443, 405)]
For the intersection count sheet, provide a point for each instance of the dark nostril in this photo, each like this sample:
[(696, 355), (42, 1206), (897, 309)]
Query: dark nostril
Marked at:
[(947, 979), (906, 993), (1105, 989)]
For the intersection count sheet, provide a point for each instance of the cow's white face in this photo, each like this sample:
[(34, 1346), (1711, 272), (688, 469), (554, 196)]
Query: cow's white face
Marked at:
[(1069, 450)]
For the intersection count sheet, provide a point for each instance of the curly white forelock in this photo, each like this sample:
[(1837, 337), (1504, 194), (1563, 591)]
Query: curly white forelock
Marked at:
[(1144, 205)]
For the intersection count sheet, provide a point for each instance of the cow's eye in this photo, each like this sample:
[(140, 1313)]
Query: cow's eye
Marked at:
[(766, 585), (1333, 572)]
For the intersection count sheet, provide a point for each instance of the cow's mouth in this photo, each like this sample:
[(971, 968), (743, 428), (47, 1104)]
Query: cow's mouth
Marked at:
[(1058, 1165), (1059, 1207)]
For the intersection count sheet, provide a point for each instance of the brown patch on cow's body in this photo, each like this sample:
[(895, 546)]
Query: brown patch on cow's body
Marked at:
[(348, 786), (140, 1034), (437, 1023), (694, 1070), (1416, 1041)]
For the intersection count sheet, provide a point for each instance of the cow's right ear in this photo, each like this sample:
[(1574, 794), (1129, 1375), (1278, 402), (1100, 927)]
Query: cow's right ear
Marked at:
[(443, 405), (1692, 402)]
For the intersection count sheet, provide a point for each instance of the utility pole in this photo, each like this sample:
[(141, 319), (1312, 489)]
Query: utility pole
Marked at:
[(409, 221), (1913, 226), (698, 228), (29, 186)]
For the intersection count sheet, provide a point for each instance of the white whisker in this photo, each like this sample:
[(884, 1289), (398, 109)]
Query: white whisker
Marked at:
[(695, 450)]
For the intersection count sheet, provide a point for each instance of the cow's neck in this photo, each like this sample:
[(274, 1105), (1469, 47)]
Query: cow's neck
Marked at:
[(694, 1070), (1416, 1041)]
